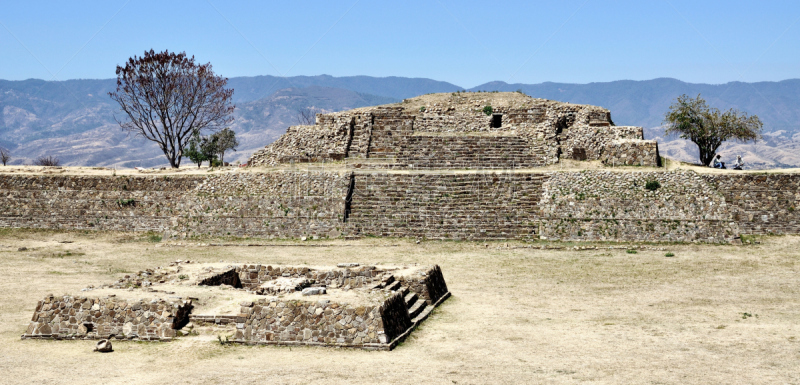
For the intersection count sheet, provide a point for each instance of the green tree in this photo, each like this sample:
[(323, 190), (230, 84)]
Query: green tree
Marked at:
[(208, 146), (193, 150), (224, 140), (692, 119)]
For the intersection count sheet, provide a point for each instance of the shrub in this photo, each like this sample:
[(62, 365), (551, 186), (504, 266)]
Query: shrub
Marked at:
[(652, 185), (126, 202), (422, 109), (669, 255), (47, 161), (631, 251), (487, 110)]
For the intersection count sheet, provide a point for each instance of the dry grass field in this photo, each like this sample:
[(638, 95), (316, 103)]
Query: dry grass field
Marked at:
[(708, 314)]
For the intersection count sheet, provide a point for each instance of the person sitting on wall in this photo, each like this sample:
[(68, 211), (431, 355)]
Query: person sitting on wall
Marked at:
[(739, 163), (718, 163)]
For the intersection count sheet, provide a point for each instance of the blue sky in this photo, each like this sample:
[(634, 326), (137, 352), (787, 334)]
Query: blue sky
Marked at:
[(463, 42)]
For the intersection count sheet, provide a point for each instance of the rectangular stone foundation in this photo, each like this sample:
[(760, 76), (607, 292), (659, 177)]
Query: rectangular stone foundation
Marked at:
[(366, 307)]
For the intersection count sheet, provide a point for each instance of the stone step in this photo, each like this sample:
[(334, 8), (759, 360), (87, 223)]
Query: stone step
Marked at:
[(411, 298), (393, 286), (417, 308), (403, 291), (422, 314)]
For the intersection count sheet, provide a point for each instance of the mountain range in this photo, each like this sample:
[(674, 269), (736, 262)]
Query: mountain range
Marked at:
[(74, 120)]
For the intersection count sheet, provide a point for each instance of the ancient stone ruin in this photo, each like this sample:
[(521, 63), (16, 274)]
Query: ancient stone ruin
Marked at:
[(464, 131), (368, 307), (442, 166)]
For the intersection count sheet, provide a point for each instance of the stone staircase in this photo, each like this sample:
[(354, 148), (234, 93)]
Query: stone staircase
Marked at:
[(470, 152), (418, 309), (468, 206)]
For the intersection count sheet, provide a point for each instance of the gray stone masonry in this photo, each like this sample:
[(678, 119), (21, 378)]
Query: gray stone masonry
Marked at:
[(70, 317), (589, 205), (366, 307), (443, 131)]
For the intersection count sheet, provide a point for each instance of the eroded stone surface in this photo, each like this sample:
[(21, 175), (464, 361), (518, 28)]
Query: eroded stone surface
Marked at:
[(457, 130), (370, 307)]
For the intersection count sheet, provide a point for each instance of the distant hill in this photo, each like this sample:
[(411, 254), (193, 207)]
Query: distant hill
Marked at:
[(259, 87), (74, 119)]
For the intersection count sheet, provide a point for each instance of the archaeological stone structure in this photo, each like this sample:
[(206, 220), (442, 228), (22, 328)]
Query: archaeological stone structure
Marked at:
[(462, 166), (609, 205), (464, 131), (367, 307), (441, 166)]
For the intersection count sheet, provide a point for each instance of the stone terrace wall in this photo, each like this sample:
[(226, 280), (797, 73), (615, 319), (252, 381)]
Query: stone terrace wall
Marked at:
[(281, 204), (595, 140), (99, 203), (95, 318), (618, 206), (581, 206), (278, 204), (765, 204), (591, 205), (307, 144)]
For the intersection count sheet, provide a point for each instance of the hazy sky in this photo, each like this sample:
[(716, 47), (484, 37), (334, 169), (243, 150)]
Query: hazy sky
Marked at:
[(463, 42)]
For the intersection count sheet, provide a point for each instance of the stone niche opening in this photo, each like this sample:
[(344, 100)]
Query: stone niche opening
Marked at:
[(497, 120), (579, 153), (230, 278)]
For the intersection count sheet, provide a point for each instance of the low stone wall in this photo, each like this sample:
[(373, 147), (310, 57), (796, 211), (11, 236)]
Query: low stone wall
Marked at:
[(101, 318), (253, 276), (626, 152), (367, 307), (590, 205), (310, 323)]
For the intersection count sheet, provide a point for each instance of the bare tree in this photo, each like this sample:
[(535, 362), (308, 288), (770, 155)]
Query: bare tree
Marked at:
[(307, 116), (5, 155), (47, 161), (167, 98)]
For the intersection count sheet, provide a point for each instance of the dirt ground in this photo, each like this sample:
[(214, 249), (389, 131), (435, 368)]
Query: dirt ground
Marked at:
[(708, 314)]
